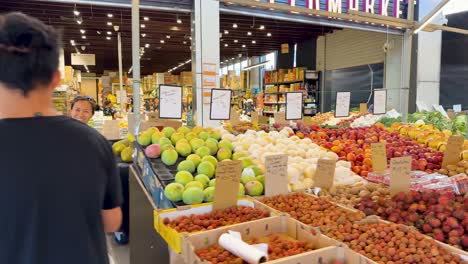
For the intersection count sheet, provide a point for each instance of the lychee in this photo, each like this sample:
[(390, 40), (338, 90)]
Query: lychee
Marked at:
[(452, 222), (434, 222)]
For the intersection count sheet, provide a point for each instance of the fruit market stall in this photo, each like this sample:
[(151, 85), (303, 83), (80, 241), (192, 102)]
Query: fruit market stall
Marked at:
[(179, 170)]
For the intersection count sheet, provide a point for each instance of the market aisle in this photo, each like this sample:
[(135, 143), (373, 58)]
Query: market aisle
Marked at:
[(120, 254)]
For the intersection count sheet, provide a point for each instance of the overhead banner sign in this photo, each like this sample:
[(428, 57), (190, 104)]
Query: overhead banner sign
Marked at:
[(83, 59), (393, 8)]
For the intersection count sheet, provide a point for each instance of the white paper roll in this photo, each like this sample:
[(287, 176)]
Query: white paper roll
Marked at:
[(234, 244)]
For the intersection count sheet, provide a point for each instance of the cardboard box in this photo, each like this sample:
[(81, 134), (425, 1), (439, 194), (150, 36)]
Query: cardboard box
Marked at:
[(175, 239), (261, 228)]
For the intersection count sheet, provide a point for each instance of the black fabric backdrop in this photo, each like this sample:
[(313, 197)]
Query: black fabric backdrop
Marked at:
[(454, 64), (356, 80)]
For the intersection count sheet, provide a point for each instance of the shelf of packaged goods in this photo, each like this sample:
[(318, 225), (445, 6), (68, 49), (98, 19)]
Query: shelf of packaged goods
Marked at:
[(283, 83)]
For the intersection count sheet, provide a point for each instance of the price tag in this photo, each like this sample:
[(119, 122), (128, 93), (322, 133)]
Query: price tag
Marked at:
[(234, 118), (170, 102), (110, 129), (363, 108), (441, 110), (325, 174), (280, 118), (452, 151), (254, 116), (276, 174), (220, 104), (294, 105), (379, 157), (400, 180), (380, 102), (228, 174), (457, 108), (422, 106), (343, 99)]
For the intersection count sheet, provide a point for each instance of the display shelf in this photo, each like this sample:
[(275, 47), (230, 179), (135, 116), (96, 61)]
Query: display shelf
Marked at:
[(286, 82)]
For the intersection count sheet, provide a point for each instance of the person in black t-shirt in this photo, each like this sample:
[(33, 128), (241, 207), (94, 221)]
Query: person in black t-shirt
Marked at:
[(59, 188)]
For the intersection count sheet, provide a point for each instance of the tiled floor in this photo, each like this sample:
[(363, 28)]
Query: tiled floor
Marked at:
[(119, 254)]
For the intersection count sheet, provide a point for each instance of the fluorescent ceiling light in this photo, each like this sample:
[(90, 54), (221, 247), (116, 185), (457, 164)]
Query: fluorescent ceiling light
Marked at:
[(146, 18), (76, 12), (249, 33), (255, 65), (110, 15), (109, 23), (234, 25)]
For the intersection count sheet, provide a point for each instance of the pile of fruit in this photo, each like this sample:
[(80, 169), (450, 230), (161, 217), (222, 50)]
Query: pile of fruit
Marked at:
[(391, 243), (310, 210), (444, 217), (215, 219), (243, 126), (460, 167), (354, 145), (321, 118), (123, 149), (351, 195), (279, 246), (302, 155)]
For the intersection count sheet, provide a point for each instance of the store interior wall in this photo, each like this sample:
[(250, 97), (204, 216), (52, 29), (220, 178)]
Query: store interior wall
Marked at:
[(348, 58), (285, 60), (454, 64), (306, 55)]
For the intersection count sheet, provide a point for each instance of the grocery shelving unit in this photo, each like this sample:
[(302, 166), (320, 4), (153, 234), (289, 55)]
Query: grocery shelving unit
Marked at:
[(60, 99), (277, 84), (312, 88)]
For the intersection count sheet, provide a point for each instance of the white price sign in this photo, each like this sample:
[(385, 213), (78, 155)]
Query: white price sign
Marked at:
[(457, 108), (294, 105), (343, 100), (220, 104), (380, 102), (83, 59), (170, 102)]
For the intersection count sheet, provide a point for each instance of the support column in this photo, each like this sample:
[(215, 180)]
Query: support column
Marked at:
[(393, 62), (429, 48), (136, 61), (205, 58)]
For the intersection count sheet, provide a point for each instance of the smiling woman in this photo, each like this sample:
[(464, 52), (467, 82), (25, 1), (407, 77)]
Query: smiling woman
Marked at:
[(82, 108)]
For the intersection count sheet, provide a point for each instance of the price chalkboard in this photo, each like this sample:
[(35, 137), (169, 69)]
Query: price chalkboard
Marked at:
[(170, 102), (343, 100), (294, 105), (380, 102), (220, 104)]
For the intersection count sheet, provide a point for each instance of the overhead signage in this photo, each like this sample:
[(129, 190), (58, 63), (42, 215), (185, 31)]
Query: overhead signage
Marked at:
[(83, 59), (391, 8), (170, 101)]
